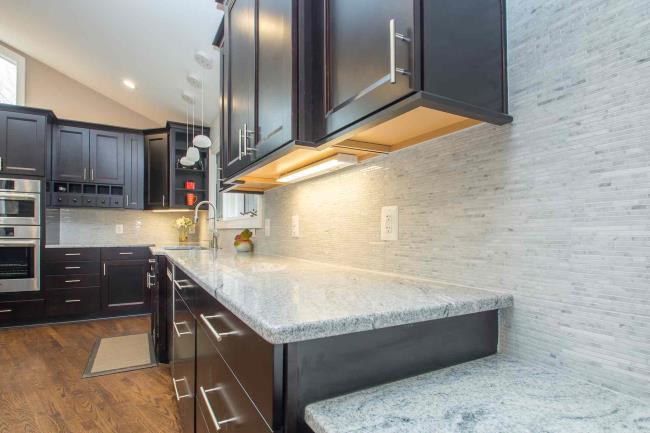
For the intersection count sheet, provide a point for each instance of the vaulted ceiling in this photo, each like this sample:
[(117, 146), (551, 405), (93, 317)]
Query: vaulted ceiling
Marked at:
[(100, 43)]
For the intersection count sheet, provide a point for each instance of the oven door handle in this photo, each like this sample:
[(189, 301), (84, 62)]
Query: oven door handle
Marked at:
[(18, 243), (10, 195)]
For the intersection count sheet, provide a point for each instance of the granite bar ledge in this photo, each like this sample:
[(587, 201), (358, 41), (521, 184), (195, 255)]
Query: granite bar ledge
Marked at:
[(491, 395)]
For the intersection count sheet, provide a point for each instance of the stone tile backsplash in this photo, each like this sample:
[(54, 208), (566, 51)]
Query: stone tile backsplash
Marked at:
[(97, 226), (554, 208)]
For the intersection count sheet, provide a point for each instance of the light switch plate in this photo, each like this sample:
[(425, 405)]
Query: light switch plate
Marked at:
[(267, 227), (389, 223), (295, 226), (119, 229)]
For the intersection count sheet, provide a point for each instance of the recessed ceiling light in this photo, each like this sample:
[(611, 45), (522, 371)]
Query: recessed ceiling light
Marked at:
[(129, 83)]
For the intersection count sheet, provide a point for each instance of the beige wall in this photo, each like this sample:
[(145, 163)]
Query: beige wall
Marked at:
[(48, 88)]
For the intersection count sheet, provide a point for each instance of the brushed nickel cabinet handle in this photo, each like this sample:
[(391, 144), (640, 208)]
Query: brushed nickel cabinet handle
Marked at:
[(178, 396), (206, 319), (92, 174), (215, 421), (84, 173), (72, 254), (180, 334), (72, 267), (72, 301), (72, 281), (8, 310), (130, 253), (163, 200), (104, 268), (393, 52), (239, 152)]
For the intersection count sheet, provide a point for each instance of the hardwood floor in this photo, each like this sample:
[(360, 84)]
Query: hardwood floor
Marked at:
[(42, 391)]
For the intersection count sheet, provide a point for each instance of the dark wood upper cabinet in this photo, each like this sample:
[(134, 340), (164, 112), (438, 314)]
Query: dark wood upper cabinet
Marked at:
[(358, 58), (71, 153), (134, 171), (156, 191), (240, 85), (106, 157), (22, 143), (275, 78), (362, 77)]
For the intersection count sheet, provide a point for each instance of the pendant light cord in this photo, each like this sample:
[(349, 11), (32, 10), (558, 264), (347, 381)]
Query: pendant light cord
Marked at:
[(187, 126)]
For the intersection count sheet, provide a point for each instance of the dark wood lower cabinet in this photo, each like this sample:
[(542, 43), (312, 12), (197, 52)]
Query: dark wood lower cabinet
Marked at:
[(83, 283), (244, 384), (183, 362), (124, 289)]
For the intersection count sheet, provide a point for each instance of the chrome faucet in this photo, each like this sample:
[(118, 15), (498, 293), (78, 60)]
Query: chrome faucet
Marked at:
[(214, 243)]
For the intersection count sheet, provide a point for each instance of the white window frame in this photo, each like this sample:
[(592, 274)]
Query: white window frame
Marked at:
[(19, 61), (242, 222)]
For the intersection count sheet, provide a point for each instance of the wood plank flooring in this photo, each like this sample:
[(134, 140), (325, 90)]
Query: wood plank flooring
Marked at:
[(42, 391)]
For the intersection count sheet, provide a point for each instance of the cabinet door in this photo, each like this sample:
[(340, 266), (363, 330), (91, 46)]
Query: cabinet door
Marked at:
[(156, 171), (183, 362), (106, 157), (133, 171), (275, 76), (358, 58), (240, 84), (22, 143), (124, 289), (71, 154)]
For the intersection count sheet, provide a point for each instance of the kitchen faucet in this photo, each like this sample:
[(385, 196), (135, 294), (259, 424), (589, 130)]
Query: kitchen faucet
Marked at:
[(214, 243)]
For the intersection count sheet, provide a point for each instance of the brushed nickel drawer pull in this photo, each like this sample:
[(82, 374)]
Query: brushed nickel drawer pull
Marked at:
[(73, 267), (72, 254), (213, 416), (185, 285), (72, 301), (126, 254), (180, 334), (72, 281), (8, 310), (178, 396), (217, 335)]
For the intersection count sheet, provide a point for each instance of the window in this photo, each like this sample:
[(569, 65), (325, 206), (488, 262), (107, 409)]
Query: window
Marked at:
[(12, 77), (240, 210)]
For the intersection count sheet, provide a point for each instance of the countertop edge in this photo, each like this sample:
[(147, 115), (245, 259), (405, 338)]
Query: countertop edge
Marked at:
[(353, 324)]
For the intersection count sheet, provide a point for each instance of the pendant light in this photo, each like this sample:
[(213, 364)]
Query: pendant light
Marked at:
[(184, 160), (192, 152), (202, 140)]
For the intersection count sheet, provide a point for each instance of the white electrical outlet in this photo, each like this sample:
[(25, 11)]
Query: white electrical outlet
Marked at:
[(267, 227), (389, 223), (119, 229), (295, 226)]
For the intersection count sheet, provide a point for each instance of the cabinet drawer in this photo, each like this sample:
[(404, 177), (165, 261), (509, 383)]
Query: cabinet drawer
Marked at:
[(185, 287), (70, 268), (89, 200), (250, 357), (71, 281), (117, 201), (126, 253), (21, 311), (72, 302), (103, 201), (71, 254), (219, 396), (183, 362)]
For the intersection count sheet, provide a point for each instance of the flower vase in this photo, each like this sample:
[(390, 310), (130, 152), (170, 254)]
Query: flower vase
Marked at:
[(183, 235)]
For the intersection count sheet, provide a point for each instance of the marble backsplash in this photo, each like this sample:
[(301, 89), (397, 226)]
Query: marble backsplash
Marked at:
[(553, 208), (97, 226)]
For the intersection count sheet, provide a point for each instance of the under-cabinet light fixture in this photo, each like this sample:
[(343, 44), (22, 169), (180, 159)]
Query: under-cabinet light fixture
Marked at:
[(327, 165)]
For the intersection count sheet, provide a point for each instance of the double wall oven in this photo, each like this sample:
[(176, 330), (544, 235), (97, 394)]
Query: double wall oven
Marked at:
[(20, 235)]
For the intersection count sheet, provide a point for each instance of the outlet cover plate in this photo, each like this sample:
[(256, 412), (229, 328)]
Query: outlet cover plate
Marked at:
[(389, 223), (267, 227)]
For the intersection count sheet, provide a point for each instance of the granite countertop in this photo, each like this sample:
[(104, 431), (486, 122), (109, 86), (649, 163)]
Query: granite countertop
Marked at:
[(491, 395), (287, 300), (113, 245)]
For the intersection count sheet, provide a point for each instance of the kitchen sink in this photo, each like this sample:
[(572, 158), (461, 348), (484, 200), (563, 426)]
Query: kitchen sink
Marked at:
[(184, 247)]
